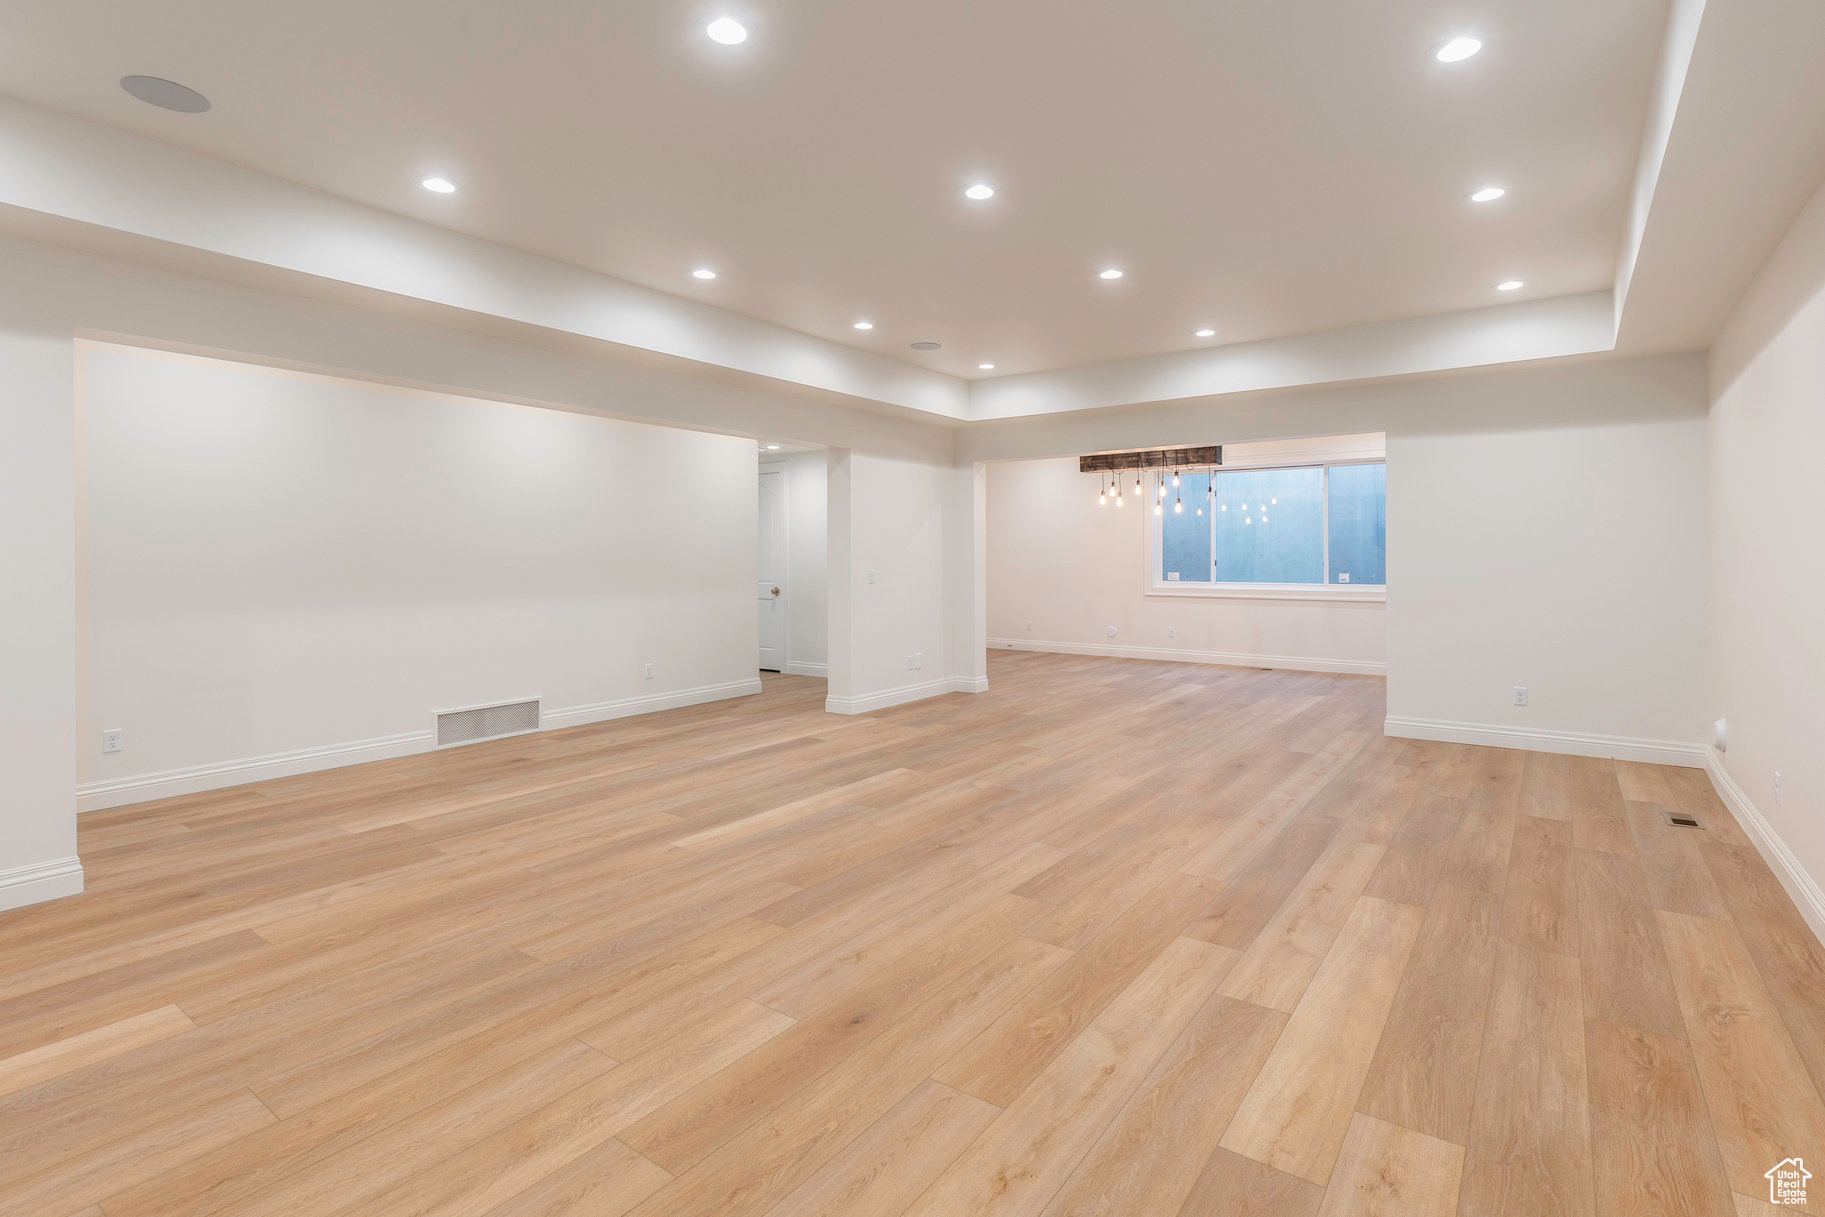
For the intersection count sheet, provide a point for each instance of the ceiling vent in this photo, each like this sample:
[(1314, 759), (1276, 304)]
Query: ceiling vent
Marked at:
[(479, 723)]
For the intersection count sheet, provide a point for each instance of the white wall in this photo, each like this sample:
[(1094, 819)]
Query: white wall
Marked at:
[(1768, 556), (276, 562), (53, 294), (1603, 576), (1072, 569), (807, 559), (1570, 560)]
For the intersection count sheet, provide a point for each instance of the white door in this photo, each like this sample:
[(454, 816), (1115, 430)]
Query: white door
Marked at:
[(772, 571)]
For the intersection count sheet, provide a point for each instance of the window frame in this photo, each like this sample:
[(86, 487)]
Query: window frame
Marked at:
[(1154, 583)]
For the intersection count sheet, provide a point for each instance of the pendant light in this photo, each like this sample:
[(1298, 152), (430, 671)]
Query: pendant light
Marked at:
[(1175, 479)]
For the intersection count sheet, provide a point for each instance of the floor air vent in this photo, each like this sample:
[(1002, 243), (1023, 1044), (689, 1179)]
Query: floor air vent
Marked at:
[(487, 722), (1680, 819)]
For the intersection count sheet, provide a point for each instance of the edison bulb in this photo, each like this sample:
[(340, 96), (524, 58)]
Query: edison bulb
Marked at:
[(1178, 507), (1101, 499), (1157, 509)]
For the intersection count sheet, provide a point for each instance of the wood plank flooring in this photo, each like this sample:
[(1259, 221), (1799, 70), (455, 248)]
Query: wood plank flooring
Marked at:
[(1115, 938)]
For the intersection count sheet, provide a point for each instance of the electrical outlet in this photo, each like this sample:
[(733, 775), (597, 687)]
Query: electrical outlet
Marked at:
[(649, 671), (111, 740), (1029, 627), (1520, 695), (871, 574), (919, 659), (909, 663), (1172, 631), (1110, 631), (1777, 785)]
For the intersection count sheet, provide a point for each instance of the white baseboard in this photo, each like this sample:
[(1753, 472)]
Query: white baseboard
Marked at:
[(167, 783), (141, 788), (906, 693), (1571, 743), (820, 670), (1805, 893), (39, 882), (626, 707), (1232, 659)]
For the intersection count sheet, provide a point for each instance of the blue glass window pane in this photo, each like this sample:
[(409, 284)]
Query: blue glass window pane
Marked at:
[(1270, 526), (1185, 534), (1359, 524)]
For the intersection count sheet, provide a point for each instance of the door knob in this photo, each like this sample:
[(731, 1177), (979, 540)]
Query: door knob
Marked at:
[(776, 591)]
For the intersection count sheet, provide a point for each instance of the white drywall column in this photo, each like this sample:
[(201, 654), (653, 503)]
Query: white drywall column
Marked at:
[(840, 596), (967, 545), (37, 607), (904, 573)]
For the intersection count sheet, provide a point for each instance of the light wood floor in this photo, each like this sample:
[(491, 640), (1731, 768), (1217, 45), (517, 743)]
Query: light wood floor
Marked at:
[(1115, 938)]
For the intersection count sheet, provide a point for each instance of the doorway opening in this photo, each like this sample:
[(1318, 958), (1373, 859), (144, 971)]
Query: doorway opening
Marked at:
[(791, 560)]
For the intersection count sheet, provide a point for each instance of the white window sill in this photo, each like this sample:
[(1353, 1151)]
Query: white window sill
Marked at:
[(1334, 593)]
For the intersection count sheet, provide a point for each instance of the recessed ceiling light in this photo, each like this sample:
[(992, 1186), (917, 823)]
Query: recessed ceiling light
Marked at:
[(1456, 50), (1207, 333), (439, 185), (1510, 285), (165, 94), (772, 447), (727, 31), (986, 367), (980, 191), (703, 272), (864, 325), (1488, 194), (1111, 273)]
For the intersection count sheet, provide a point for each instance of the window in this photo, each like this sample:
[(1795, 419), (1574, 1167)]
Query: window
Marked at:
[(1287, 528)]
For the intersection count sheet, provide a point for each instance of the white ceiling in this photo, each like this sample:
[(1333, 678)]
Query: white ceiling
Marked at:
[(1264, 169)]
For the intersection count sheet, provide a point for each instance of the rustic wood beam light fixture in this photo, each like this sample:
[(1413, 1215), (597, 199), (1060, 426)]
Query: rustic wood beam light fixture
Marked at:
[(1157, 458)]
